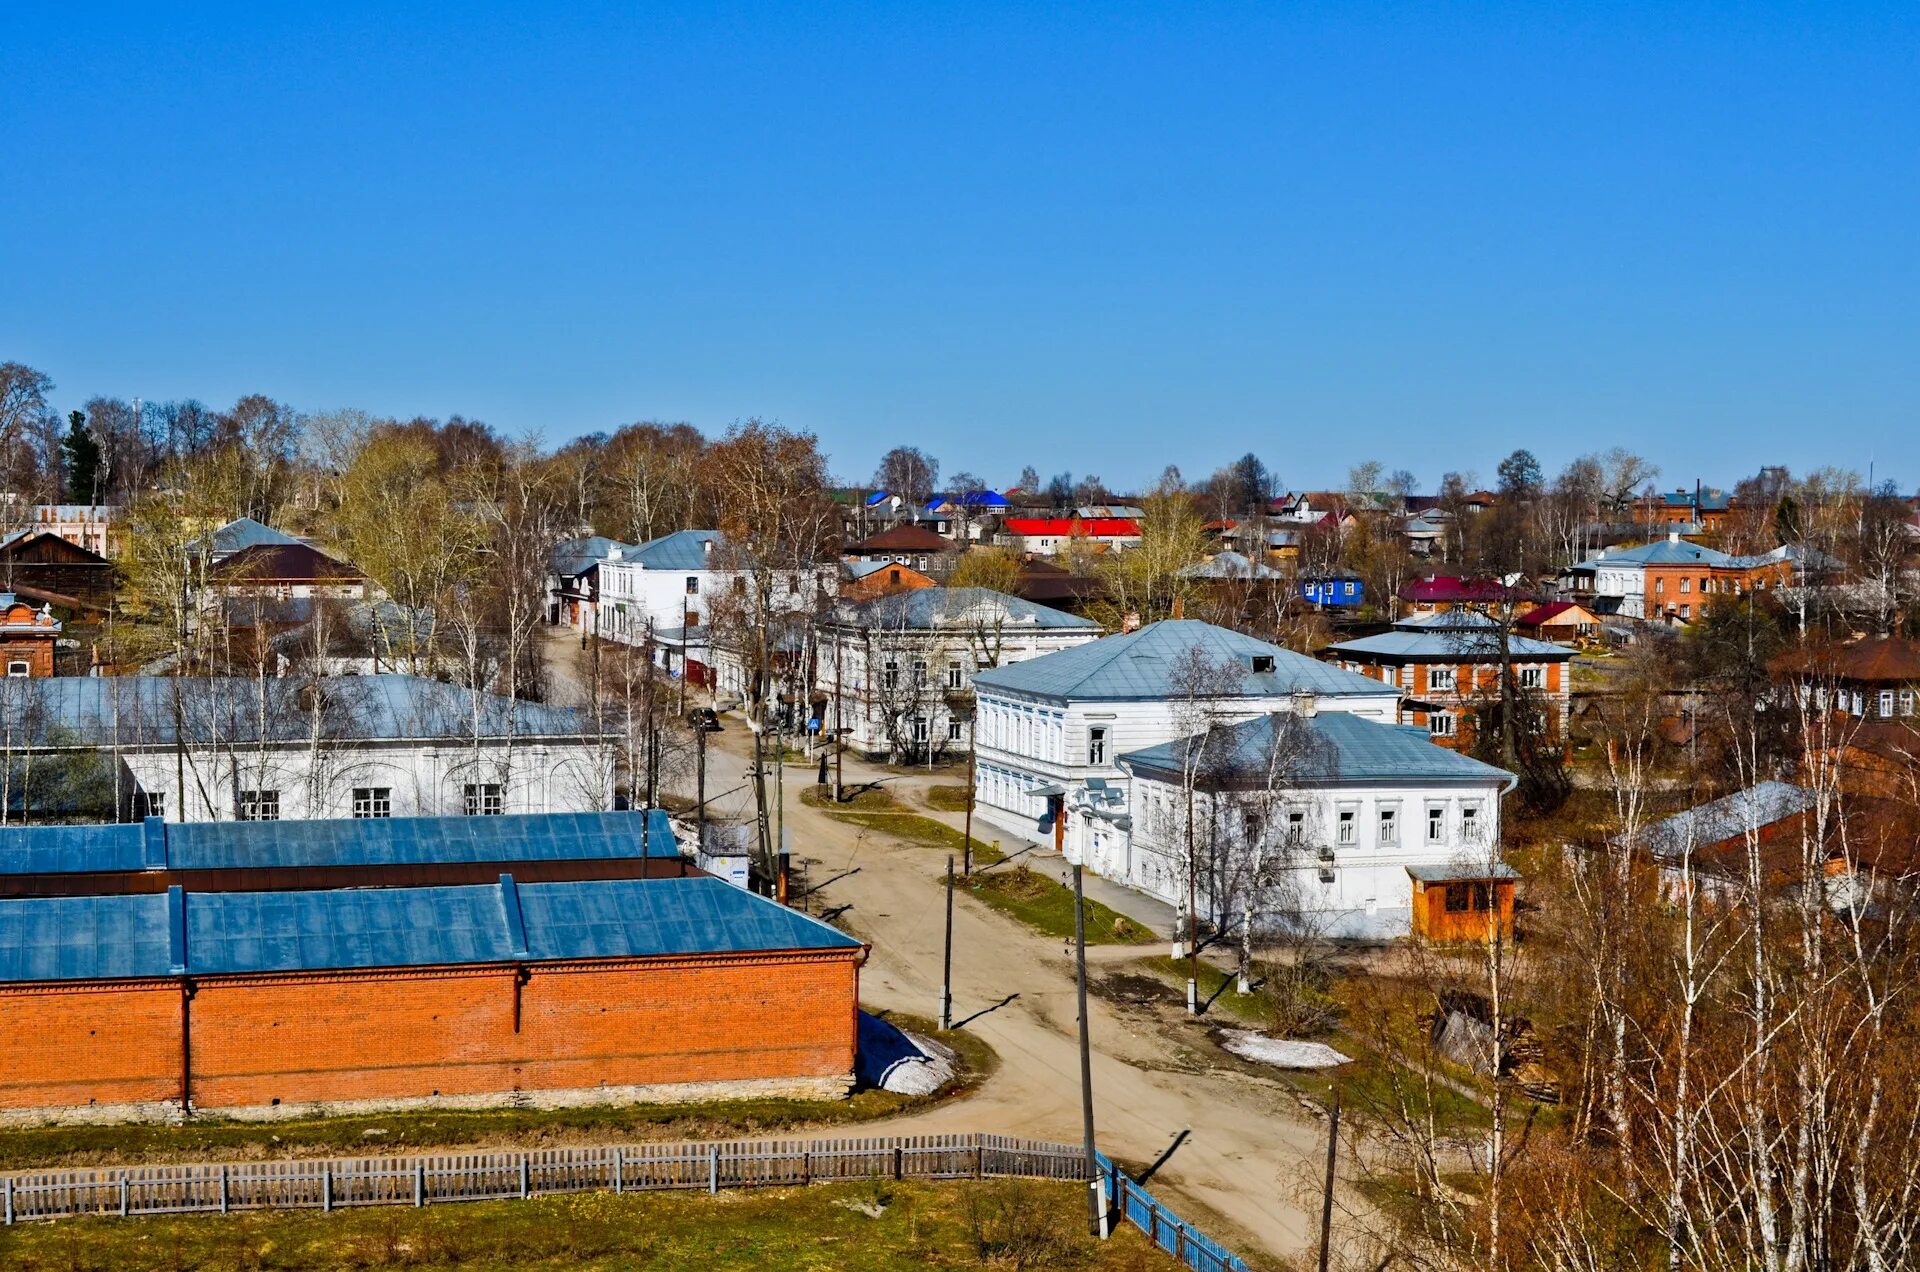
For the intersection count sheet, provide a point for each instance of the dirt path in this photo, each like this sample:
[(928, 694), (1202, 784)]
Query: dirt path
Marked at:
[(1250, 1145)]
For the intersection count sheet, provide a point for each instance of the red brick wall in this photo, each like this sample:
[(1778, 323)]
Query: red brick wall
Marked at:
[(36, 653), (67, 1047), (398, 1035)]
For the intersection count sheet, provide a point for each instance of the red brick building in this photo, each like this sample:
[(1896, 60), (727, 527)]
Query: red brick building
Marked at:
[(271, 1004), (27, 637)]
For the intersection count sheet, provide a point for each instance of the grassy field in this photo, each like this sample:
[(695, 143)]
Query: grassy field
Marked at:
[(1046, 905), (206, 1139), (878, 1226), (947, 799), (875, 810)]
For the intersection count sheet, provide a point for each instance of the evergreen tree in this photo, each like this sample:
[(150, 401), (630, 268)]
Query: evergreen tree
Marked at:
[(82, 454)]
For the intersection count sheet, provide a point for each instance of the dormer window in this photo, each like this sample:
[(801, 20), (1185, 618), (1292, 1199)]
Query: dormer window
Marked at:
[(1262, 663)]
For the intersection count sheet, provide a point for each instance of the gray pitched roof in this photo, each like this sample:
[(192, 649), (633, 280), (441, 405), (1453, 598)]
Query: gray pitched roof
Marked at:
[(681, 550), (926, 608), (1728, 817), (245, 532), (1230, 565), (1329, 747), (1666, 552), (576, 556), (1141, 665), (1450, 634), (94, 711)]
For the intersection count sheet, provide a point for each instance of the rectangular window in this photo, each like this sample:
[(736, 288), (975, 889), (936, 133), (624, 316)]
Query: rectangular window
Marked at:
[(1859, 703), (1252, 828), (152, 803), (259, 805), (1389, 827), (485, 799), (1436, 825), (693, 585), (15, 670), (953, 730), (890, 677), (1533, 677), (1906, 702), (1470, 824), (1440, 725), (1686, 585), (1659, 587), (920, 730), (373, 801), (1886, 704), (1345, 835), (1296, 827), (1440, 678), (1467, 898), (1097, 744), (956, 678)]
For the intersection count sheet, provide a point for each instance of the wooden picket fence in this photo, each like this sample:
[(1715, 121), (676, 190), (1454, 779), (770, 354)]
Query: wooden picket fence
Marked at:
[(324, 1184)]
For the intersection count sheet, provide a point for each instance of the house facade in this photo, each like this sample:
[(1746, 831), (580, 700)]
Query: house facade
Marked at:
[(28, 635), (1316, 823), (1050, 731), (201, 748), (897, 671), (284, 572), (1672, 580), (1049, 536), (1448, 666), (42, 566)]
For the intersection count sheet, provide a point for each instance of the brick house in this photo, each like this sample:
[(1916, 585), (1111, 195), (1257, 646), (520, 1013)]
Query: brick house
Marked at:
[(1672, 580), (27, 637), (1448, 666), (267, 1005), (862, 580)]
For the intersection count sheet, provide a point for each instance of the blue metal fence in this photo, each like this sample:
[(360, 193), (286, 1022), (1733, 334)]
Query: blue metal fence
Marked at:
[(1167, 1230)]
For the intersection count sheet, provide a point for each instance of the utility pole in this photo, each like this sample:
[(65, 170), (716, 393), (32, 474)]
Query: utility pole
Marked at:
[(1096, 1194), (700, 783), (1326, 1192), (946, 959)]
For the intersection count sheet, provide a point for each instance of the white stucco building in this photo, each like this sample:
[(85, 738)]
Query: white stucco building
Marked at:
[(1319, 822), (897, 671), (193, 748), (1050, 731)]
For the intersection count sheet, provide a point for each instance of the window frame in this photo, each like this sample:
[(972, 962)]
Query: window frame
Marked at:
[(260, 804), (483, 799), (372, 803)]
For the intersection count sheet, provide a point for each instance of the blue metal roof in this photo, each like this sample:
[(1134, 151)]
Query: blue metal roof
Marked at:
[(1142, 665), (928, 608), (1328, 748), (135, 711), (576, 556), (217, 933), (245, 532), (340, 843), (1450, 634), (681, 550)]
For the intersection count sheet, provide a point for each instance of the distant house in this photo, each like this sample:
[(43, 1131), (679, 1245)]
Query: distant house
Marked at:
[(1448, 666), (1051, 535), (1671, 580), (1702, 511), (340, 746), (42, 566), (860, 580), (1438, 593), (573, 580), (1050, 731), (90, 526), (286, 572), (1045, 582), (1321, 823), (972, 509), (908, 544), (896, 672), (1339, 590), (1875, 680), (1564, 622), (27, 637), (243, 533)]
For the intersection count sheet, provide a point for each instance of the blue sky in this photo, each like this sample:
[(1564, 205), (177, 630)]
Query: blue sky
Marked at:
[(1100, 239)]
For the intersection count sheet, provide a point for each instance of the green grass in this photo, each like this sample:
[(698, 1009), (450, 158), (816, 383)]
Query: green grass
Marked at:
[(915, 1226), (862, 799), (211, 1138), (1246, 1009), (947, 799), (885, 816), (1046, 905)]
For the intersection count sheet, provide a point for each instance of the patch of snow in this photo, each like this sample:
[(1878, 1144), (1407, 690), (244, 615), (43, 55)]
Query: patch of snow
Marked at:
[(895, 1060), (1281, 1053)]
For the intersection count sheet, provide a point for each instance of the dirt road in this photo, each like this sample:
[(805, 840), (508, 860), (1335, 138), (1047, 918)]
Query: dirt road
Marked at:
[(1251, 1146)]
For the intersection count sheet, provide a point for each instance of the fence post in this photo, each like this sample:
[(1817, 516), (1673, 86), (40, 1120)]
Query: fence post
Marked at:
[(619, 1170), (326, 1187), (898, 1162), (9, 1200), (226, 1200), (806, 1166), (713, 1168), (123, 1196), (523, 1176), (419, 1184)]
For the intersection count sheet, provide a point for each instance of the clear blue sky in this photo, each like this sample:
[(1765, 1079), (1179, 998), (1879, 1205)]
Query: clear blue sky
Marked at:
[(1091, 238)]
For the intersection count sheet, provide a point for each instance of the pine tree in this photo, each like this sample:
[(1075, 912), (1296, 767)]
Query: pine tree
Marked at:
[(83, 459)]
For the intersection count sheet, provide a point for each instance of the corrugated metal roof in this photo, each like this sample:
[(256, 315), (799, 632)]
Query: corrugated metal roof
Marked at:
[(928, 608), (1329, 747), (1728, 817), (1230, 565), (1142, 665), (1451, 634), (216, 933), (140, 710), (336, 843), (681, 550), (245, 532), (576, 556)]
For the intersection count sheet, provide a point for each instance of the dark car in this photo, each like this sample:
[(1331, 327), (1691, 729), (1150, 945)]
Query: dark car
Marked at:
[(704, 719)]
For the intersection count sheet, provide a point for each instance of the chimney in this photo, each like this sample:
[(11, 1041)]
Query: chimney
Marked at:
[(1179, 607), (706, 546), (1306, 704), (1673, 536)]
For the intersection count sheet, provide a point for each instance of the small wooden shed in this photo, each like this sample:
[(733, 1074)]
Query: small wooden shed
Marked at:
[(1461, 901)]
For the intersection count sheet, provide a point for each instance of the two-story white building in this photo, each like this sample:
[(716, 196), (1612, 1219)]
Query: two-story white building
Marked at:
[(1315, 822), (1049, 732), (897, 671)]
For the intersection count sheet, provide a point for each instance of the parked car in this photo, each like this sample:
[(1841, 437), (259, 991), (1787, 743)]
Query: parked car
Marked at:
[(704, 719)]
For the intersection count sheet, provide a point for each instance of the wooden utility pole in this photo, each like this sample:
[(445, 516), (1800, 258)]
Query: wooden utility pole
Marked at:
[(700, 783), (1096, 1195), (1326, 1192), (946, 959), (966, 836)]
